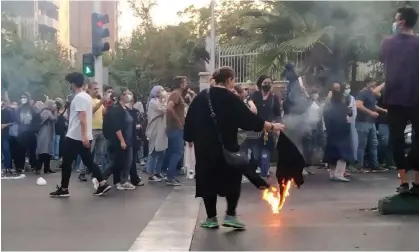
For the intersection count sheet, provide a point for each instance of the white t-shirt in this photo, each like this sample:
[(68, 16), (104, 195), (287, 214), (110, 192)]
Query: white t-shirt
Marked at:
[(81, 102)]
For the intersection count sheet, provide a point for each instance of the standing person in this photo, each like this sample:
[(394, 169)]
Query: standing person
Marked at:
[(354, 133), (269, 109), (6, 122), (78, 138), (98, 144), (133, 173), (27, 127), (156, 134), (118, 126), (61, 126), (175, 120), (209, 135), (366, 104), (45, 136), (141, 131), (337, 118), (400, 54)]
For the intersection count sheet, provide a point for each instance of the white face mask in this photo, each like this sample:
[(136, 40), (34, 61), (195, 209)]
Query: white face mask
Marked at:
[(315, 96), (24, 100)]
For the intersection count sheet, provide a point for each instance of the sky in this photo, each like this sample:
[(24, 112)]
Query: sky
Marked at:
[(165, 13)]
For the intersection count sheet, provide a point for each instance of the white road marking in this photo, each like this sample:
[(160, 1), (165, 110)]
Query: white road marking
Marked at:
[(173, 226)]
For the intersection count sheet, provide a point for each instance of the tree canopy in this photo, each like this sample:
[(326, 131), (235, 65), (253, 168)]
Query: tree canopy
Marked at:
[(38, 67)]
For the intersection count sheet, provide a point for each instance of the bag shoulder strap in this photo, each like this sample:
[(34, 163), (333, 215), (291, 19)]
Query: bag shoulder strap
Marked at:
[(213, 117)]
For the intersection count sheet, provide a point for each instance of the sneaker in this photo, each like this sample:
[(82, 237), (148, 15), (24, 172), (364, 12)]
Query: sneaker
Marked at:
[(258, 170), (379, 169), (95, 183), (403, 188), (305, 172), (415, 189), (392, 167), (128, 186), (154, 178), (82, 177), (138, 182), (173, 182), (145, 171), (60, 193), (102, 189), (245, 180), (142, 162), (210, 223), (231, 221), (119, 187), (159, 175), (338, 179), (351, 168)]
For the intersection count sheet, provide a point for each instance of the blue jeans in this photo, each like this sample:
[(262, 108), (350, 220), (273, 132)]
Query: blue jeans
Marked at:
[(56, 146), (175, 151), (262, 155), (6, 153), (385, 152), (155, 162), (367, 135)]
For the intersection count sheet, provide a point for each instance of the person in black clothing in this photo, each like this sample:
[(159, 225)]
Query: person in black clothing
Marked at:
[(213, 175), (61, 125), (133, 173), (6, 122), (28, 122), (268, 109), (118, 129)]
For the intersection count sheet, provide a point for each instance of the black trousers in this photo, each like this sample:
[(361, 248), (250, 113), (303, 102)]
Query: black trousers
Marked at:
[(20, 148), (398, 117), (44, 159), (73, 148), (210, 203), (133, 174)]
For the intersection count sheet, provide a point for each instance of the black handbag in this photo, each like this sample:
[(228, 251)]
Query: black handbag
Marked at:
[(238, 159)]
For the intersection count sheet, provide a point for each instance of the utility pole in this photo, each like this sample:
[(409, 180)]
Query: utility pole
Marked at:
[(212, 37), (98, 59)]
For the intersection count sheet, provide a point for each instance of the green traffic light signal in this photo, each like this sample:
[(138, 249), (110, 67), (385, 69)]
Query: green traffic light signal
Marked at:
[(88, 70), (88, 65)]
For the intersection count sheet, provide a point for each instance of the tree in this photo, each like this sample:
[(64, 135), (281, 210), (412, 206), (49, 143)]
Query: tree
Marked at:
[(37, 67), (156, 55)]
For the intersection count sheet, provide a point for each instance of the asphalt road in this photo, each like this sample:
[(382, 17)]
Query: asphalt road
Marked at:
[(322, 215)]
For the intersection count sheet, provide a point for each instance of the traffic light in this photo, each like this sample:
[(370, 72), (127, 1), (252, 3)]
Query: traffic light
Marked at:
[(88, 65), (99, 33)]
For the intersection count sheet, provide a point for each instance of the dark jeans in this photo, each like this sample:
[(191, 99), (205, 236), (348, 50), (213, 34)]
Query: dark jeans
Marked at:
[(74, 148), (385, 153), (5, 151), (211, 205), (44, 159), (398, 118)]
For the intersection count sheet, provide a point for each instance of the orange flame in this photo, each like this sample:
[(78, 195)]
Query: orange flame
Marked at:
[(276, 199)]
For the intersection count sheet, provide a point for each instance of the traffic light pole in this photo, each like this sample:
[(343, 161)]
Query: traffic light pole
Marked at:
[(98, 60)]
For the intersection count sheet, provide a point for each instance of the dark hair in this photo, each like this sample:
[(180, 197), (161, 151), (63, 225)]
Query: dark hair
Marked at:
[(177, 81), (107, 88), (408, 15), (261, 79), (289, 73), (367, 80), (223, 74), (117, 93), (75, 78)]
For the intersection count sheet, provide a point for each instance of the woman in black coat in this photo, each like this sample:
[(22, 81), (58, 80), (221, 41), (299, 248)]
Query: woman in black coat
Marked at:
[(213, 175)]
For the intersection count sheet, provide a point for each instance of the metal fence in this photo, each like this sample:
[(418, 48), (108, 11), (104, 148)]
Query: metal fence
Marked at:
[(245, 61)]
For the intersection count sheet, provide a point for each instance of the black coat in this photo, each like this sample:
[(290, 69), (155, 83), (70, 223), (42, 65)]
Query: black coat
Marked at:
[(114, 121), (213, 175)]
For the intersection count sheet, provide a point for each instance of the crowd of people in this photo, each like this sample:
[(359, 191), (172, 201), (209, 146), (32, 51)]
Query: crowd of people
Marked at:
[(109, 134)]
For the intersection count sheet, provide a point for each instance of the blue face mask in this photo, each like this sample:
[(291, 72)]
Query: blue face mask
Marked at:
[(395, 28)]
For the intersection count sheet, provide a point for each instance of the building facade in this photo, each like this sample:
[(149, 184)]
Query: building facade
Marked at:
[(46, 20)]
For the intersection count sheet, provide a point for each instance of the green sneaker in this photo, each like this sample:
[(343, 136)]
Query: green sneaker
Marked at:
[(351, 168), (210, 223), (231, 221)]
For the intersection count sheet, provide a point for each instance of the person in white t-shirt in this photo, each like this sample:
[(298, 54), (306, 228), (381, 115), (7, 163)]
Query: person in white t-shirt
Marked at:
[(78, 138)]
